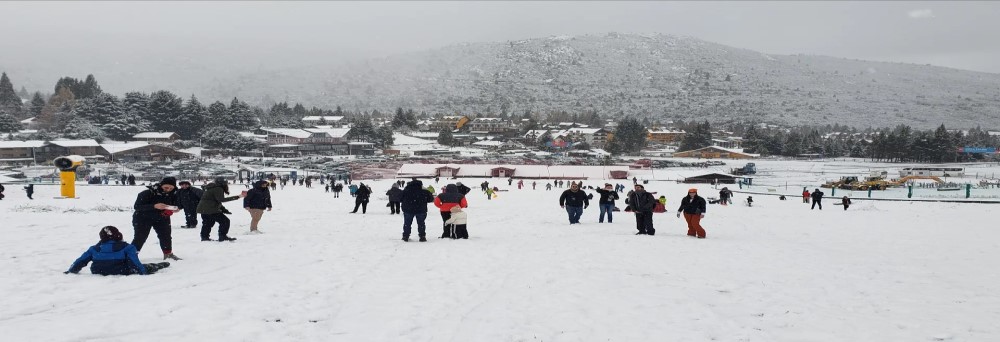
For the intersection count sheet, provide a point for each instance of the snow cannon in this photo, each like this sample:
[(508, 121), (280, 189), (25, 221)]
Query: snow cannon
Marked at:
[(67, 174)]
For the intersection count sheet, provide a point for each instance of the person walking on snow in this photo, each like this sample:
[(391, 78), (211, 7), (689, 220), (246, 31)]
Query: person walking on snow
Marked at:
[(361, 198), (642, 204), (489, 193), (30, 190), (520, 184), (805, 195), (534, 185), (337, 188), (395, 197), (153, 208), (113, 256), (188, 197), (724, 196), (607, 202), (414, 205), (693, 208), (213, 212), (257, 200), (817, 197), (574, 201), (448, 199)]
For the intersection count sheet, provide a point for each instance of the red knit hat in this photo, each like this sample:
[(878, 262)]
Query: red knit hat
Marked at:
[(110, 233)]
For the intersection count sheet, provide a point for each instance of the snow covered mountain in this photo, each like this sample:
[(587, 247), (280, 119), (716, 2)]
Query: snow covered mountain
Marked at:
[(656, 75)]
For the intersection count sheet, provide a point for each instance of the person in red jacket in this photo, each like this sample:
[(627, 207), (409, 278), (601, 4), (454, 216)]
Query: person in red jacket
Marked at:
[(805, 195), (451, 197)]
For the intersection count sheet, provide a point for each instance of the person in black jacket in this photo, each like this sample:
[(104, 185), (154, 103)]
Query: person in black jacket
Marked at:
[(337, 189), (642, 204), (153, 208), (113, 256), (395, 196), (1, 191), (258, 199), (607, 202), (414, 203), (361, 198), (30, 190), (463, 189), (693, 208), (574, 200), (846, 202), (817, 197), (188, 198)]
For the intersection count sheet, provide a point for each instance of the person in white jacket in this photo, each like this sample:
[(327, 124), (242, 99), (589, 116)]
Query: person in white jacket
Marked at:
[(456, 225)]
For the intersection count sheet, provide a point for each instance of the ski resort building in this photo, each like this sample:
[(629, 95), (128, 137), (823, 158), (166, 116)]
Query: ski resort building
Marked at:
[(158, 137)]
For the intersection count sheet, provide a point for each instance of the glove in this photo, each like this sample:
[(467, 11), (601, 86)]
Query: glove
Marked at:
[(586, 206), (678, 214), (166, 213)]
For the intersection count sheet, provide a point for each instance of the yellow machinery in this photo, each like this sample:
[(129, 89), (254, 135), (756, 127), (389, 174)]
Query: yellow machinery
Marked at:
[(461, 122), (67, 174), (876, 180)]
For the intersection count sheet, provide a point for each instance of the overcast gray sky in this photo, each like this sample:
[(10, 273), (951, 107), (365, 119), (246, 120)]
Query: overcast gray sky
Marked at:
[(232, 36)]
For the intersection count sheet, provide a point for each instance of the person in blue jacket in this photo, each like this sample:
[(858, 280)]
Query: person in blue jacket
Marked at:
[(113, 256)]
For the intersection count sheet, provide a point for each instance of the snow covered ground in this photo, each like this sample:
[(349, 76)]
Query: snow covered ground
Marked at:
[(881, 271)]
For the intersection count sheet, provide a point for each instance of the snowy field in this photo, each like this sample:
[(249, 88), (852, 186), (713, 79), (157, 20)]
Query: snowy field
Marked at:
[(882, 271)]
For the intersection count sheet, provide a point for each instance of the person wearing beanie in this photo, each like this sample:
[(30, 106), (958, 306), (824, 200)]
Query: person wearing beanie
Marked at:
[(693, 208), (113, 256), (153, 208), (188, 198), (211, 209)]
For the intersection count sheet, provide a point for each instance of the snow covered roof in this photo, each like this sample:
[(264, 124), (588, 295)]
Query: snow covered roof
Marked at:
[(730, 150), (536, 132), (76, 143), (22, 144), (324, 118), (666, 130), (120, 147), (403, 139), (291, 132), (493, 143), (488, 119), (28, 120), (154, 135), (583, 130), (529, 171), (332, 132), (284, 145)]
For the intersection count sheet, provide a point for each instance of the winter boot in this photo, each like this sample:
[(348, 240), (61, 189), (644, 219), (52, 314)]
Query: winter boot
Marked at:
[(406, 239), (423, 239), (226, 238), (170, 256)]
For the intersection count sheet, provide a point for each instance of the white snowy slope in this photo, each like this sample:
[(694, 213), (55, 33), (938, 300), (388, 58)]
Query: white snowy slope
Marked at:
[(881, 271)]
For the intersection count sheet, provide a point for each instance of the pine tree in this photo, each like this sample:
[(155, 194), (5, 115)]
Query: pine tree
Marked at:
[(89, 88), (191, 119), (241, 116), (164, 108), (125, 125), (399, 120), (9, 100), (8, 124), (218, 115), (383, 137), (445, 137), (23, 93), (698, 137), (37, 104), (630, 136), (80, 128), (99, 109)]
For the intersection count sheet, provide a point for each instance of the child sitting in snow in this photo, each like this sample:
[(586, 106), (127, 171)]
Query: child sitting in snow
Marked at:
[(112, 256), (457, 223)]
